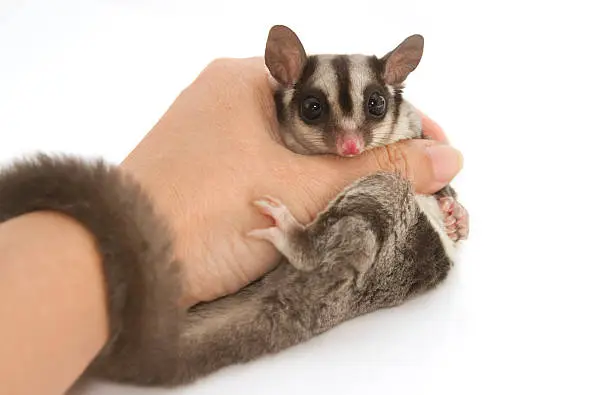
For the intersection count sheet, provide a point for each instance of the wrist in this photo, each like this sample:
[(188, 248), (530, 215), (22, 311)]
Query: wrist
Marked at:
[(53, 291), (139, 274)]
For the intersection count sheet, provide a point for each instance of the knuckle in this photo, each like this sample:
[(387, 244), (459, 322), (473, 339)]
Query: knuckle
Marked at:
[(393, 157), (219, 68), (220, 63)]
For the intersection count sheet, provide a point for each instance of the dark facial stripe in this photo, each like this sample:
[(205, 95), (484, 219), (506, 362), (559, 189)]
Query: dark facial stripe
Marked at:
[(397, 105), (309, 69), (311, 65), (341, 67), (280, 107), (376, 65), (303, 84)]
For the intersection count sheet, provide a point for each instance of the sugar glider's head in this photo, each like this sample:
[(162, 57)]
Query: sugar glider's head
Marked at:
[(341, 104)]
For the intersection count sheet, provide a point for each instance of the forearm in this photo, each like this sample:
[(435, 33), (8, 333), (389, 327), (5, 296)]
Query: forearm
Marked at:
[(52, 303)]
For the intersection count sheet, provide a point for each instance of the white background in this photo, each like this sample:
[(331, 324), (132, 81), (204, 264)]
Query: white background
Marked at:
[(521, 87)]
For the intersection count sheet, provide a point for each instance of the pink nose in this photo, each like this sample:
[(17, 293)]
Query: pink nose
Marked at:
[(350, 147), (349, 144)]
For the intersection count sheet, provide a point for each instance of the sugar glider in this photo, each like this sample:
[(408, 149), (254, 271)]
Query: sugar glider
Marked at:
[(375, 246), (346, 104)]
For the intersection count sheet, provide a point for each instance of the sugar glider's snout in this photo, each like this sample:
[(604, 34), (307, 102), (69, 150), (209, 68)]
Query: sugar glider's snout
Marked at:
[(350, 142)]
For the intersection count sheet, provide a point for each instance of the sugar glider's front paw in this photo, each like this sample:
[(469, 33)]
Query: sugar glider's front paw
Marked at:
[(285, 225), (456, 219)]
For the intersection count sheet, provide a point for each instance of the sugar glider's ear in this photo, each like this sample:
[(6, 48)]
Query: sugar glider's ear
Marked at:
[(285, 55), (403, 59)]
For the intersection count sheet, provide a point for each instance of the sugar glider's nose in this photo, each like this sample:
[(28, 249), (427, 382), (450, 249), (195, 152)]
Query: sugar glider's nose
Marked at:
[(349, 143)]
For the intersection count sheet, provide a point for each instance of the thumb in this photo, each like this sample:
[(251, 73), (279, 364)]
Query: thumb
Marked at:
[(430, 165)]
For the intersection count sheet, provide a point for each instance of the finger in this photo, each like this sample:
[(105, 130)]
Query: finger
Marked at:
[(245, 74), (428, 164), (432, 129)]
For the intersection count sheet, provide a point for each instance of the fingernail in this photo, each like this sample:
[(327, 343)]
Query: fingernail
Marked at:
[(446, 162)]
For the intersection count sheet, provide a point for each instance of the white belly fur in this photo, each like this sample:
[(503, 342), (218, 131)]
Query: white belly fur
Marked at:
[(429, 205)]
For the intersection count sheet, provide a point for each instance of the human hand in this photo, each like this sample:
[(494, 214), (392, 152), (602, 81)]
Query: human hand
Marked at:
[(216, 150)]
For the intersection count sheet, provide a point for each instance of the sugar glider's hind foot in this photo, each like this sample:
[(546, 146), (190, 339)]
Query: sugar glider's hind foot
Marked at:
[(285, 233), (275, 209), (285, 223), (346, 241), (456, 219)]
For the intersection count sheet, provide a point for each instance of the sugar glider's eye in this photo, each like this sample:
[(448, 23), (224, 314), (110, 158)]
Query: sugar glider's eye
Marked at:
[(311, 108), (377, 105)]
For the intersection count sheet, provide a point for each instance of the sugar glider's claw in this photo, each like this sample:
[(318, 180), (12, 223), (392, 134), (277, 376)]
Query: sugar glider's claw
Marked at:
[(284, 222), (284, 232), (273, 208), (456, 219), (446, 204), (463, 222)]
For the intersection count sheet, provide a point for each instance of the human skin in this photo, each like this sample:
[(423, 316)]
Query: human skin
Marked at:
[(52, 303), (216, 150), (209, 157)]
